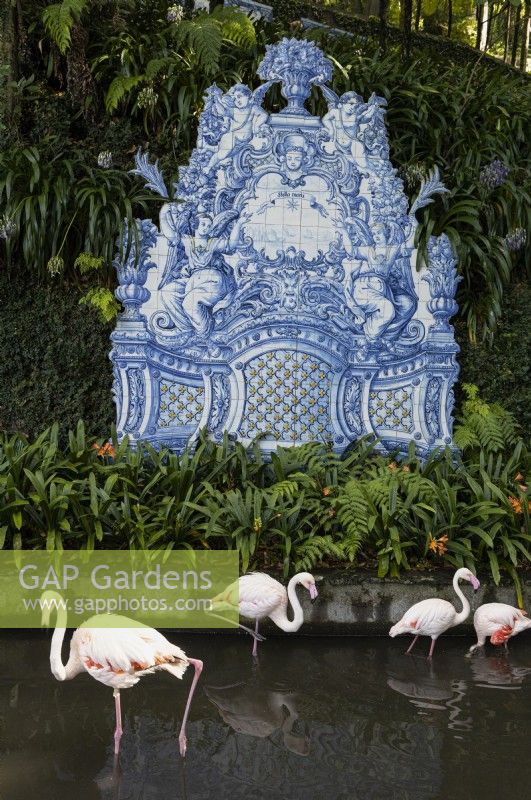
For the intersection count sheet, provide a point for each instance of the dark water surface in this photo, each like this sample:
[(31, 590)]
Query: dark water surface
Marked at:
[(318, 719)]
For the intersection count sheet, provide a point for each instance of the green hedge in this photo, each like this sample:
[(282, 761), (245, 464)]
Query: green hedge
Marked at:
[(54, 363), (502, 370)]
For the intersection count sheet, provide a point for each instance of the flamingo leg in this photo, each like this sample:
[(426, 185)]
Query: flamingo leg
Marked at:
[(255, 642), (432, 646), (118, 731), (198, 667), (410, 648)]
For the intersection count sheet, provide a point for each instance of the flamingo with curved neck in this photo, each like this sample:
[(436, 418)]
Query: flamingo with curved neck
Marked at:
[(118, 652), (434, 616), (260, 596)]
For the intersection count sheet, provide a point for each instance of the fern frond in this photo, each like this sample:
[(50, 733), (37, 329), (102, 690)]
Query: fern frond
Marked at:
[(204, 36), (59, 19), (286, 489), (236, 26), (103, 300), (314, 549), (353, 515), (119, 87)]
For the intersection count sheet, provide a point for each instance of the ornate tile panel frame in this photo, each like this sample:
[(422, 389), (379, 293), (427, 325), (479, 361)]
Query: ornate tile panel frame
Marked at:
[(280, 296)]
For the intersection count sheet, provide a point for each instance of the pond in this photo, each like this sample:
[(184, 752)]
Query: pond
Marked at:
[(317, 718)]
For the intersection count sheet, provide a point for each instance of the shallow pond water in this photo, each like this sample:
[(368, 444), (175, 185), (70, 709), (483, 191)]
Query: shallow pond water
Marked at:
[(317, 719)]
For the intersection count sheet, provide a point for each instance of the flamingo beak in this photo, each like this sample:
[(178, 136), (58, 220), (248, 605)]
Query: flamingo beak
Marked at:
[(475, 583), (313, 592)]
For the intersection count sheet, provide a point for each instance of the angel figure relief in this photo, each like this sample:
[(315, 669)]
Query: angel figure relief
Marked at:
[(348, 115), (197, 280), (382, 312), (241, 116)]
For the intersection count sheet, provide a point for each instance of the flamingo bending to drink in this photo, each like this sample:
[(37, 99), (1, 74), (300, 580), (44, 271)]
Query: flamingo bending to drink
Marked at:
[(117, 655), (499, 621), (260, 596), (434, 616)]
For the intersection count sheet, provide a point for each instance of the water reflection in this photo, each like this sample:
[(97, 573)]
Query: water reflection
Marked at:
[(497, 671), (344, 719), (254, 709), (428, 687)]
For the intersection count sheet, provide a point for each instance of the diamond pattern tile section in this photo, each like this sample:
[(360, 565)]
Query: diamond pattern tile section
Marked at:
[(180, 404), (288, 395), (392, 409)]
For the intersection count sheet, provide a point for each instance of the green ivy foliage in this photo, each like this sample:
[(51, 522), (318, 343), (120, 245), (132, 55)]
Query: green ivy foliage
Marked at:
[(53, 359), (501, 369)]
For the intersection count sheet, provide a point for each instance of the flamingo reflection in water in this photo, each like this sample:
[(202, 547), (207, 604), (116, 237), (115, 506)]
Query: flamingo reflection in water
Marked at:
[(497, 672), (116, 651), (429, 691), (253, 709)]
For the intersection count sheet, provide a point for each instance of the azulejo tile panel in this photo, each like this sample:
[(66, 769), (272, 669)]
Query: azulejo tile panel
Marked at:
[(279, 296)]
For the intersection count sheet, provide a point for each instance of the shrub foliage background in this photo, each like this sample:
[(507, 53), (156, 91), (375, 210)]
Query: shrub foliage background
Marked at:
[(111, 76)]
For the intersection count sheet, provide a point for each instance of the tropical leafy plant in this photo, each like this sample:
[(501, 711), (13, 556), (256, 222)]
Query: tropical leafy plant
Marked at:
[(305, 507)]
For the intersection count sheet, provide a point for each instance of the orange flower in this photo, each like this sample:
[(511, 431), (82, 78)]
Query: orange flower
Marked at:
[(438, 546), (392, 466), (326, 491), (406, 468), (105, 449), (517, 504)]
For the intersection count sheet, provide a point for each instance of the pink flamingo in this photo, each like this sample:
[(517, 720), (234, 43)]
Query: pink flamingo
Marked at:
[(434, 616), (499, 621), (117, 655), (261, 596)]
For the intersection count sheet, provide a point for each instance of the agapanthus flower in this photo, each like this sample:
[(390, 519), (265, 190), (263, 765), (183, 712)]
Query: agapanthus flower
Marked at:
[(55, 266), (515, 239), (105, 159), (494, 174), (175, 13), (411, 174), (146, 98), (8, 226)]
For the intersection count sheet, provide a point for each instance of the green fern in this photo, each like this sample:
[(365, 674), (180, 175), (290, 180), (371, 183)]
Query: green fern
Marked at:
[(483, 425), (315, 549), (119, 87), (354, 516), (236, 26), (103, 300), (86, 262), (204, 37), (59, 19), (206, 33)]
